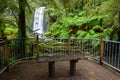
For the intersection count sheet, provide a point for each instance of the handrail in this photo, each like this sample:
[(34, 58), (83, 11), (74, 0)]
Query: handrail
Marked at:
[(111, 41)]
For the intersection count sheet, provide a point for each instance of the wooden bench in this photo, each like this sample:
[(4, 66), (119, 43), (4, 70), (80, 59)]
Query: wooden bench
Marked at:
[(69, 54), (73, 58)]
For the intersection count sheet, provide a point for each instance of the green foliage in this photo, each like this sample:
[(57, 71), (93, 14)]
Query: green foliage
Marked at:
[(75, 18), (8, 26), (81, 33), (87, 26), (92, 19), (10, 31)]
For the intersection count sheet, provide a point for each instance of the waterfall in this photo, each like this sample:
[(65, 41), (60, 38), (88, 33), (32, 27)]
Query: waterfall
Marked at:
[(39, 25)]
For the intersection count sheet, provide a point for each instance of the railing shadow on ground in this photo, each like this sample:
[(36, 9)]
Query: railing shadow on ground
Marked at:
[(105, 51)]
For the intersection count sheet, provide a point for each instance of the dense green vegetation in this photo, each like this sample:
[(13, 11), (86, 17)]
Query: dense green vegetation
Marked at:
[(86, 19), (67, 18)]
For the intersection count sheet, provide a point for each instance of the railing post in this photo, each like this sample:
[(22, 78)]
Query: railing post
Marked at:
[(6, 60), (101, 51), (69, 45), (31, 50), (37, 46)]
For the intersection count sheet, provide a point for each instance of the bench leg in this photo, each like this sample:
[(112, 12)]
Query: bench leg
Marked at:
[(72, 67), (51, 68)]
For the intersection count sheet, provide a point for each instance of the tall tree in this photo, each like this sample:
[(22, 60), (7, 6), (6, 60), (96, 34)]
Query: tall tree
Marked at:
[(22, 27), (21, 23)]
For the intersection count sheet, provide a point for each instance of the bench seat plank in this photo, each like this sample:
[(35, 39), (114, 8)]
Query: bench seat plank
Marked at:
[(55, 58)]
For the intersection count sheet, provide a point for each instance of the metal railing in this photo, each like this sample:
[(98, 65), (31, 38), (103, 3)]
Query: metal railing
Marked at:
[(19, 49), (59, 46), (112, 54), (107, 52), (15, 50)]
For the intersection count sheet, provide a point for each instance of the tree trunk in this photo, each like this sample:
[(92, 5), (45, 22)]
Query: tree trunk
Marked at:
[(118, 32), (21, 23), (21, 27)]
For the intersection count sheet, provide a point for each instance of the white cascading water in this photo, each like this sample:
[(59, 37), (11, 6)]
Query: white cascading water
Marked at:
[(38, 25)]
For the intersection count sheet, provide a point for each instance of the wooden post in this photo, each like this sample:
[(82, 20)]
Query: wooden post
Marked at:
[(37, 46), (72, 67), (101, 51), (69, 45), (6, 60), (31, 50), (51, 68)]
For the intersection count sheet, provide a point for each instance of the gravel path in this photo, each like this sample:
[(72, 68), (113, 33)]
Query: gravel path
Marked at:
[(86, 70)]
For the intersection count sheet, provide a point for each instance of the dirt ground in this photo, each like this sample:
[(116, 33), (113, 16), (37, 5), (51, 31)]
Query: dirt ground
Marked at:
[(85, 70)]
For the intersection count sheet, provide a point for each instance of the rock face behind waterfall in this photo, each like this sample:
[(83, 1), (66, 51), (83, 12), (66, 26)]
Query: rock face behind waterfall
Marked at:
[(40, 24)]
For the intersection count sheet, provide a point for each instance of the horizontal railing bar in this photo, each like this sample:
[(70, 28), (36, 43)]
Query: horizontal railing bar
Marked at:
[(70, 39), (22, 59), (112, 41), (3, 70), (2, 42), (21, 39), (111, 66)]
